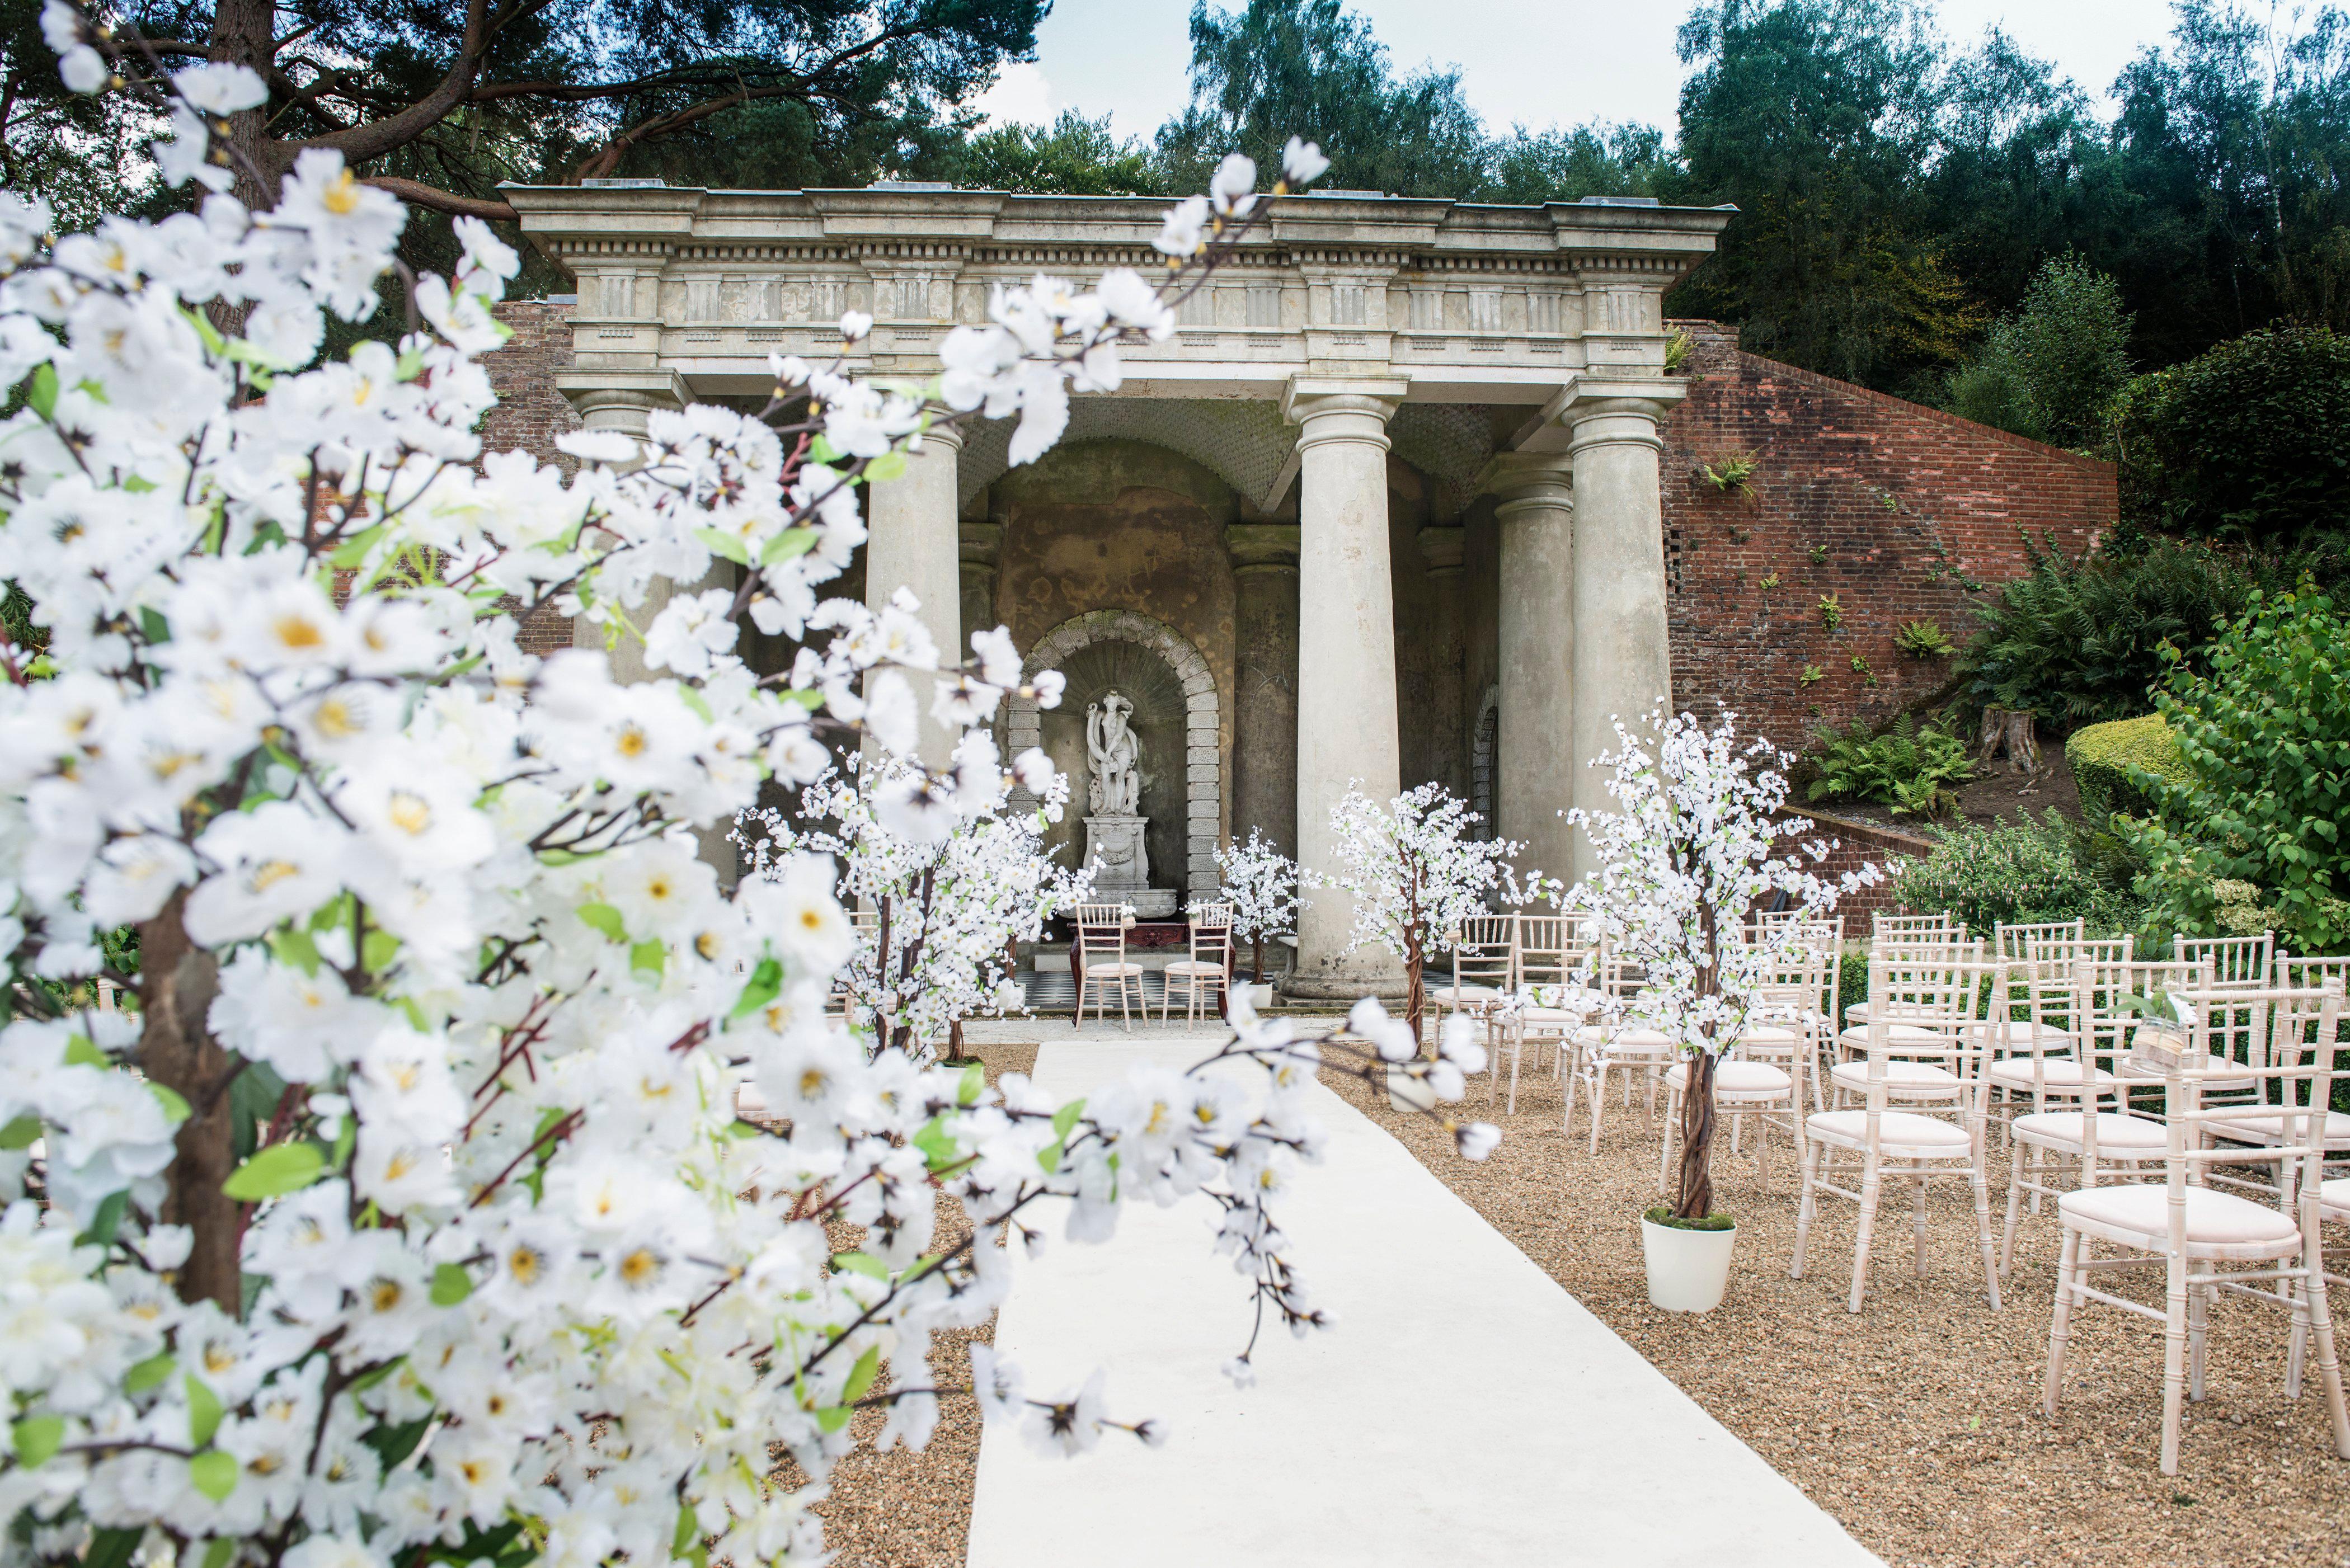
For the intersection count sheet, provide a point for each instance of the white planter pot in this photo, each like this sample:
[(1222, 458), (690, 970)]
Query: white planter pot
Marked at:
[(1687, 1270), (1260, 996), (1406, 1092)]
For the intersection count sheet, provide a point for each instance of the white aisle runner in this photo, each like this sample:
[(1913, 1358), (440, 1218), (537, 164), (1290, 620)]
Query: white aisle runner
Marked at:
[(1466, 1411)]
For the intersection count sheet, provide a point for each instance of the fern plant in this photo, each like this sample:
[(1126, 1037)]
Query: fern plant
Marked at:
[(1831, 612), (1923, 640), (1731, 476), (1910, 769)]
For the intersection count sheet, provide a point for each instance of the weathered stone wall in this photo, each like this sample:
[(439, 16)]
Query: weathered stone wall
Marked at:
[(1118, 524)]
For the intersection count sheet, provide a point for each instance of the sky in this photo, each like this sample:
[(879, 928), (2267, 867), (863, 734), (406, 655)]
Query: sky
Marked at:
[(1538, 63)]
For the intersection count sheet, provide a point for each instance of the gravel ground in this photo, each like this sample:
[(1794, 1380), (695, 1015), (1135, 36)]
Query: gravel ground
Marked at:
[(913, 1511), (1916, 1423)]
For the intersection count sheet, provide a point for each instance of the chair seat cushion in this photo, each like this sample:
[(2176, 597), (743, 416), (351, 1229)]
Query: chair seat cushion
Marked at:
[(2214, 1218), (1559, 1016), (1111, 971), (1895, 1130), (1626, 1041), (2015, 1033), (1857, 1013), (1735, 1078), (2055, 1072), (1900, 1078), (1770, 1035), (2333, 1197), (2116, 1132), (1897, 1034), (1189, 968), (2131, 1068), (1469, 991), (2267, 1130)]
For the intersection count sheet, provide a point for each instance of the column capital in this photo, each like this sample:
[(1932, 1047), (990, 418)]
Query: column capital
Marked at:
[(619, 400), (1620, 412), (1528, 479), (1262, 547), (948, 437), (1444, 546), (1342, 409)]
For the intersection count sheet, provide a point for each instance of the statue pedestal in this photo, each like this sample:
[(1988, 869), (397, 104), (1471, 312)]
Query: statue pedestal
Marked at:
[(1121, 866)]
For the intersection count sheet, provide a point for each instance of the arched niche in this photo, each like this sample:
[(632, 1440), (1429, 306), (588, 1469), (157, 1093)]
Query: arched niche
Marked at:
[(1178, 719)]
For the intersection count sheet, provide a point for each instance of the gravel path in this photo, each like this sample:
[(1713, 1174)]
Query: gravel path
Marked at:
[(913, 1511), (1916, 1423)]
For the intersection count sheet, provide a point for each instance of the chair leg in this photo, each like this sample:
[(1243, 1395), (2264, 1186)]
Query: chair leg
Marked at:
[(1871, 1184), (1516, 1056), (2061, 1325), (2014, 1202), (1918, 1224), (2329, 1370), (1805, 1207), (2198, 1328), (1981, 1184), (2174, 1362)]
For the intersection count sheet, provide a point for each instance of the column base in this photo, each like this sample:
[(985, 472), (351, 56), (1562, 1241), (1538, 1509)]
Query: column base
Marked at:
[(1342, 987)]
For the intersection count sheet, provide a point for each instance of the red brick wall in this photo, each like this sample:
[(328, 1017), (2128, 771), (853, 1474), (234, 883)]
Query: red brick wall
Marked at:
[(1859, 844), (1909, 504), (531, 413)]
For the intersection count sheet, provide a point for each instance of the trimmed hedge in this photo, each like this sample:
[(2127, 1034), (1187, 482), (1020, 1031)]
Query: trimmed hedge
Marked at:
[(2103, 755)]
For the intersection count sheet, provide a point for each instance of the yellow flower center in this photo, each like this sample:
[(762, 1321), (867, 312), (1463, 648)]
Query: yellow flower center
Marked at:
[(298, 631), (412, 813), (633, 741), (269, 873), (342, 195), (639, 1266)]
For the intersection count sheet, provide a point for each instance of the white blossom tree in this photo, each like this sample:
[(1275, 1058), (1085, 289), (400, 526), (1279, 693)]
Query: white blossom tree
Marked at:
[(1695, 844), (949, 911), (1261, 884), (1416, 874), (407, 1217)]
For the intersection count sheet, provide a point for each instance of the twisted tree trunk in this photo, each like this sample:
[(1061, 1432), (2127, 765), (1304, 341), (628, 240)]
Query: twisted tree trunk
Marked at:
[(178, 980), (1696, 1200)]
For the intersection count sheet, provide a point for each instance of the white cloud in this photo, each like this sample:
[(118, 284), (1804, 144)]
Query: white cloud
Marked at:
[(1019, 96)]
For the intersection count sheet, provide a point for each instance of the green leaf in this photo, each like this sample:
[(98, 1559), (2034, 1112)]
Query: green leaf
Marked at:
[(605, 918), (650, 955), (273, 1172), (861, 1375), (1067, 1117), (213, 1473), (820, 450), (149, 1373), (393, 1443), (175, 1109), (1049, 1156), (861, 1264), (974, 1085), (722, 543), (377, 950), (354, 550), (41, 397), (112, 1548), (688, 1534), (766, 984), (219, 1552), (39, 1438), (80, 1052), (787, 545), (936, 1146), (696, 701), (832, 1418), (367, 1380), (292, 946), (106, 1221), (20, 1133), (153, 626), (450, 1285), (203, 1411), (889, 465)]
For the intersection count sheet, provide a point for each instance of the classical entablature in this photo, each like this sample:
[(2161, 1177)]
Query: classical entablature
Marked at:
[(1466, 304), (1356, 349)]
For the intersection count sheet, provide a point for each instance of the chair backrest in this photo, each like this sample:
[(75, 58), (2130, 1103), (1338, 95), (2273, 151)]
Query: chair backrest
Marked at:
[(2015, 944), (1545, 950), (1926, 1008), (2105, 1010), (2294, 1088), (2235, 961), (1942, 928), (1484, 951), (1212, 933), (1101, 930), (1788, 994)]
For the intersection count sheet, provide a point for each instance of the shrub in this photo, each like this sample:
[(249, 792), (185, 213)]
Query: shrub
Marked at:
[(1908, 769), (2014, 874), (2104, 759), (2051, 370), (2264, 743), (2251, 441)]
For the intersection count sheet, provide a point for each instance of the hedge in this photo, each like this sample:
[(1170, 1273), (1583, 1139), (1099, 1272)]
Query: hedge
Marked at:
[(2102, 756)]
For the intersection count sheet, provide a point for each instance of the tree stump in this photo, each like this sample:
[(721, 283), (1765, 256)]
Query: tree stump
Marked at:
[(2009, 732)]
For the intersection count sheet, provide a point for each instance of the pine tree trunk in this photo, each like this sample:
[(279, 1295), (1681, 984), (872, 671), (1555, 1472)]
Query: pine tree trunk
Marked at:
[(242, 35), (178, 981)]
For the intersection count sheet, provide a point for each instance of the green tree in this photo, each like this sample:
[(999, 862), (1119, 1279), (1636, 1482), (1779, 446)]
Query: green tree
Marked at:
[(1529, 168), (2051, 370), (2265, 740), (1073, 156), (2250, 440)]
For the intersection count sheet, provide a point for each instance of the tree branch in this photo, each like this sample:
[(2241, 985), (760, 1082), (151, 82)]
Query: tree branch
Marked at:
[(418, 194)]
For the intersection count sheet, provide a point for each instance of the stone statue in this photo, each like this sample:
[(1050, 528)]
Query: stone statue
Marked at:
[(1112, 752)]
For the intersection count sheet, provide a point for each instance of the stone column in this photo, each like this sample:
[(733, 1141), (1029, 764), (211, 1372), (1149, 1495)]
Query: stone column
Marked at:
[(981, 546), (1265, 703), (1623, 655), (1346, 658), (625, 407), (912, 543), (1534, 764), (1444, 749)]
